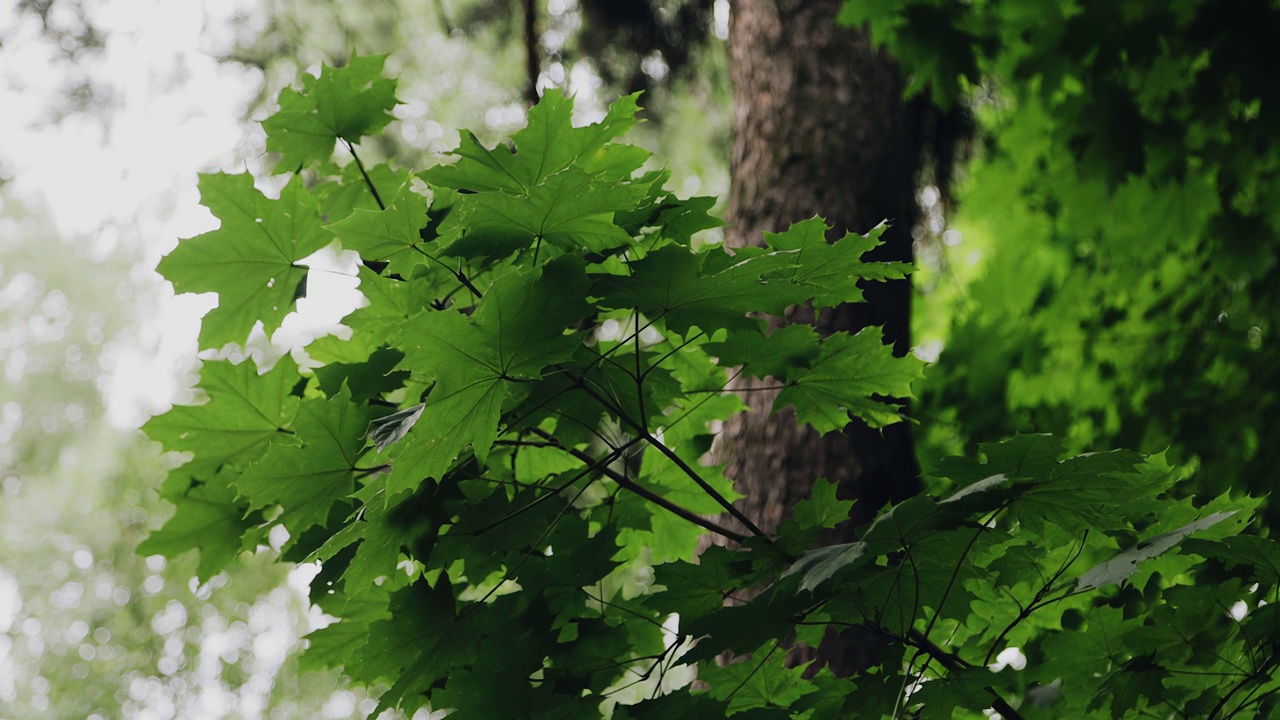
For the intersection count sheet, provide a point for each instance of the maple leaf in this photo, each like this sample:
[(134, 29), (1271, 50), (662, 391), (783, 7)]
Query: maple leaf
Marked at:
[(843, 379), (547, 145), (206, 517), (348, 103), (251, 261), (688, 290), (482, 362), (392, 235), (310, 478), (827, 272), (775, 355), (245, 413), (567, 210)]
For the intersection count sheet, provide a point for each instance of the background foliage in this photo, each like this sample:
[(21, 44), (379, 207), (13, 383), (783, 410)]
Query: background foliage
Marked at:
[(1118, 223)]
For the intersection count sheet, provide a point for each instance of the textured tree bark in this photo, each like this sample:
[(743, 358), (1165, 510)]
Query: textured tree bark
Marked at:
[(820, 128)]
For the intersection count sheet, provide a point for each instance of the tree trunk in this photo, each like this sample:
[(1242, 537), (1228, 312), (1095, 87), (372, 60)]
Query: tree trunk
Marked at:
[(820, 128)]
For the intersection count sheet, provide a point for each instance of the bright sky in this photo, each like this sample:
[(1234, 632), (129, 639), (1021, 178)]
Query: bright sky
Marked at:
[(132, 179)]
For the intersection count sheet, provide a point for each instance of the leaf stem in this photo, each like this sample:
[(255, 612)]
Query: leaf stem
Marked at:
[(457, 274), (367, 180), (1038, 601), (591, 467), (953, 663)]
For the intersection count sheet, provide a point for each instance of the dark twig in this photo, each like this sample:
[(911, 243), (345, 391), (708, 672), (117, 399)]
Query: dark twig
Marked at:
[(953, 663), (531, 50), (367, 180), (648, 494), (679, 462)]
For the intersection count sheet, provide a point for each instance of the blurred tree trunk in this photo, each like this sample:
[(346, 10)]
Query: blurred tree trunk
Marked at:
[(820, 128)]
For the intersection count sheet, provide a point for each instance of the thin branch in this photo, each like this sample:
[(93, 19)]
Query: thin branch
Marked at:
[(1262, 670), (367, 180), (679, 462), (953, 663), (1038, 601), (457, 274), (765, 659), (509, 574), (591, 467), (640, 375), (674, 349), (955, 572), (649, 495), (531, 51), (625, 609), (1253, 701)]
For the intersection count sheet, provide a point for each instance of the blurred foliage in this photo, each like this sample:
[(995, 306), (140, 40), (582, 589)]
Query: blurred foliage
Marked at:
[(89, 629), (461, 64), (1111, 272)]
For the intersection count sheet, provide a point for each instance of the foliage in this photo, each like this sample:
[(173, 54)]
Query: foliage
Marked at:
[(88, 628), (501, 470), (1123, 202)]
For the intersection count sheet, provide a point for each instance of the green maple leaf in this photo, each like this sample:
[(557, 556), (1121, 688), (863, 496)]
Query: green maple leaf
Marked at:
[(818, 566), (380, 528), (1076, 500), (479, 364), (1075, 494), (334, 645), (348, 189), (843, 379), (1025, 455), (567, 209), (547, 145), (347, 103), (936, 575), (774, 355), (392, 236), (558, 183), (669, 536), (763, 680), (1030, 456), (822, 509), (423, 640), (206, 517), (688, 290), (308, 479), (451, 419), (717, 290), (391, 303), (251, 261), (1119, 568), (680, 219), (827, 272), (1261, 554), (696, 590), (366, 380), (245, 413)]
